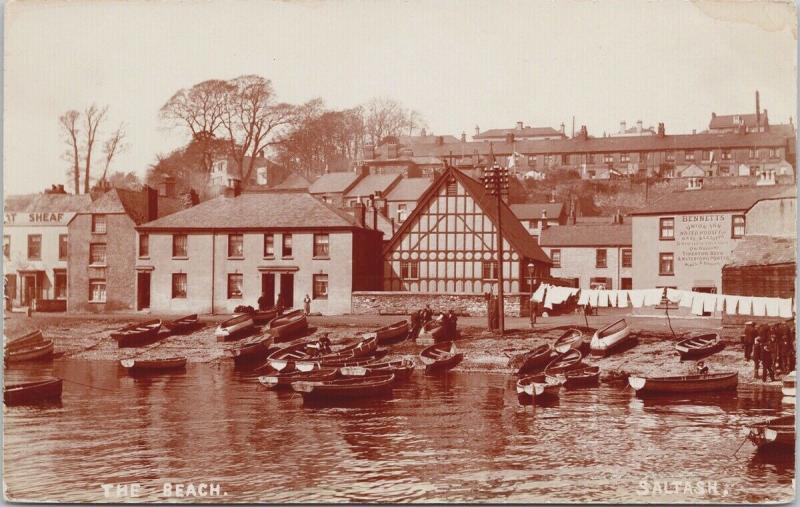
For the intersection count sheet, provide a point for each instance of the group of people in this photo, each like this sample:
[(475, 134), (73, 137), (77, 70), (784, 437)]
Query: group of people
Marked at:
[(264, 304), (422, 317), (770, 347)]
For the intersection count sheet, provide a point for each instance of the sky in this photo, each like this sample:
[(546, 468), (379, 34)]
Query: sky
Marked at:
[(461, 64)]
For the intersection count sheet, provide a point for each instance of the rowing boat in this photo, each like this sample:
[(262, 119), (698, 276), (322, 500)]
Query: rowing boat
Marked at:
[(288, 325), (36, 352), (684, 384), (392, 333), (283, 380), (137, 334), (609, 338), (182, 324), (582, 377), (361, 348), (33, 392), (536, 359), (25, 341), (284, 358), (569, 360), (167, 363), (311, 364), (235, 325), (264, 316), (699, 346), (252, 349), (401, 368), (346, 388), (541, 387), (571, 339), (774, 435), (440, 357)]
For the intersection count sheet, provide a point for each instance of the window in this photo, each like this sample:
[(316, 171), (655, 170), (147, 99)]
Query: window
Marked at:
[(707, 155), (34, 246), (401, 213), (608, 158), (99, 224), (753, 153), (321, 246), (725, 155), (180, 245), (532, 161), (555, 256), (7, 246), (773, 153), (737, 226), (97, 291), (144, 245), (97, 253), (320, 288), (287, 245), (269, 245), (533, 224), (235, 286), (235, 245), (489, 270), (666, 228), (624, 157), (178, 285), (627, 258), (409, 270), (63, 244), (669, 156), (666, 264), (60, 284), (626, 283), (601, 258)]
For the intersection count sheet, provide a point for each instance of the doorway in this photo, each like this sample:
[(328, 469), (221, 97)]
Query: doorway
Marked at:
[(287, 289), (142, 291), (30, 289), (268, 289)]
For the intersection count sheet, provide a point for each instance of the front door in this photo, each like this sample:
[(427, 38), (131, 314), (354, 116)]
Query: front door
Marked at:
[(268, 289), (143, 291), (30, 289), (287, 289)]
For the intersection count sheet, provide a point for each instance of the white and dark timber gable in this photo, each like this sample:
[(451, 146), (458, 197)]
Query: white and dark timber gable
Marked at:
[(449, 243)]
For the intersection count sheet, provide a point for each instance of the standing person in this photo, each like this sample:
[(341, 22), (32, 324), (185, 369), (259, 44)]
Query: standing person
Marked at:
[(765, 334), (748, 338), (262, 302), (756, 355), (446, 329), (766, 361), (416, 325), (701, 367), (587, 310), (453, 323), (534, 312), (279, 305), (307, 304), (427, 314)]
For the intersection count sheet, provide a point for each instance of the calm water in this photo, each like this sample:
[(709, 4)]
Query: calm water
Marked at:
[(462, 437)]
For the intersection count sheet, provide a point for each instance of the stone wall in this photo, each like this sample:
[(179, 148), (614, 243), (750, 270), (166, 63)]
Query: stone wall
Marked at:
[(402, 303)]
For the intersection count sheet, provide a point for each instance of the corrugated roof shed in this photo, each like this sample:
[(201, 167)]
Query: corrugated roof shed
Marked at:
[(718, 199), (582, 235), (531, 211), (763, 251), (334, 183), (372, 183), (409, 189)]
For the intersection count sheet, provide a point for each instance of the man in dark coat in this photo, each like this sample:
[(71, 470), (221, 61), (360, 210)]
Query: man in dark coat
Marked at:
[(766, 360), (452, 321), (416, 324), (262, 302), (756, 354), (748, 339)]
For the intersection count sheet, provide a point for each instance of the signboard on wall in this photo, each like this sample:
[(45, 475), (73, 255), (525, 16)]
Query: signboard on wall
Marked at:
[(43, 218), (703, 240)]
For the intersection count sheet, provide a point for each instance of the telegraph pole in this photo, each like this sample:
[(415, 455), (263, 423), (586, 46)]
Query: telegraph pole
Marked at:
[(495, 181)]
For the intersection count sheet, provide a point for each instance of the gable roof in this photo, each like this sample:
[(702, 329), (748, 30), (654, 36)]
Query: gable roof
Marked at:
[(133, 203), (334, 182), (523, 132), (428, 139), (262, 210), (587, 235), (40, 203), (372, 183), (409, 189), (513, 231), (530, 211), (717, 199)]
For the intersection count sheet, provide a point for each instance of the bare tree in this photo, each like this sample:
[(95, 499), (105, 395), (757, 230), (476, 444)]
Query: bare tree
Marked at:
[(93, 116), (69, 126), (386, 117), (415, 121), (113, 145)]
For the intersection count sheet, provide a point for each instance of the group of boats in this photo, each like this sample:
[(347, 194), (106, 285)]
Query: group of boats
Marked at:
[(30, 347)]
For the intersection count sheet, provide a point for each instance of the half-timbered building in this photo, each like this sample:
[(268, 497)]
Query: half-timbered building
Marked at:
[(448, 244)]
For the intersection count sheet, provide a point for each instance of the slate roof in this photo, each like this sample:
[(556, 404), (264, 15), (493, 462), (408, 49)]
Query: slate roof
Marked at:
[(262, 210), (334, 182), (293, 181), (133, 203), (372, 183), (427, 139), (726, 121), (717, 199), (523, 132), (587, 235), (763, 251), (37, 203), (409, 189), (530, 211)]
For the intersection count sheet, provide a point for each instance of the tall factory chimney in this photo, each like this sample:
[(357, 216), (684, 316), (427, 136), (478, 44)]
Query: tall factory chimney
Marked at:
[(758, 114)]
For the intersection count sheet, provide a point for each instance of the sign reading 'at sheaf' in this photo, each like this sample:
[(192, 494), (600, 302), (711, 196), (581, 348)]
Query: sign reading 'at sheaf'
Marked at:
[(702, 240), (38, 218)]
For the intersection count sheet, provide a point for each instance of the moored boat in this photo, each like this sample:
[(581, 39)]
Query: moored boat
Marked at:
[(571, 339), (264, 316), (711, 382), (540, 387), (400, 368), (774, 435), (788, 385), (137, 334), (699, 346), (36, 352), (182, 324), (284, 358), (288, 325), (392, 333), (167, 363), (33, 392), (236, 325), (25, 341), (569, 360), (609, 338), (340, 361), (536, 359), (440, 357), (252, 349), (283, 380), (582, 377), (345, 388)]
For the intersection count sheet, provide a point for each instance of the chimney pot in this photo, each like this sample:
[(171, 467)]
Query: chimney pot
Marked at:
[(463, 137), (519, 125), (562, 127), (359, 211), (622, 127), (477, 130)]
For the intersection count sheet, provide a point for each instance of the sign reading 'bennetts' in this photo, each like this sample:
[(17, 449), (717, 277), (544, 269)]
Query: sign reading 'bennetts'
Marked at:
[(702, 240)]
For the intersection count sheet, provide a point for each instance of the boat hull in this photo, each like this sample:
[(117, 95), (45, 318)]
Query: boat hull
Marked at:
[(603, 344), (29, 340), (40, 352), (286, 330), (536, 360), (183, 324), (775, 435), (684, 385), (694, 348), (347, 389), (229, 330), (586, 377), (33, 392), (153, 365)]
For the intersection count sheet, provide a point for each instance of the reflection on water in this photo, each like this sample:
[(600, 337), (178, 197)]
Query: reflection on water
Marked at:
[(461, 437)]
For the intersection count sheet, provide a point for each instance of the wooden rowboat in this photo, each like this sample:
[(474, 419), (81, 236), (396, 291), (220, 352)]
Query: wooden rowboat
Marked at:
[(288, 325), (182, 324), (236, 325), (33, 392), (774, 435), (609, 338), (582, 377), (699, 346), (684, 384), (284, 358), (308, 365), (541, 388), (346, 388), (440, 357), (283, 380), (400, 368), (25, 341), (571, 339), (38, 352), (392, 333), (360, 348), (252, 349), (169, 363), (536, 359), (264, 316), (569, 360), (137, 334), (433, 329)]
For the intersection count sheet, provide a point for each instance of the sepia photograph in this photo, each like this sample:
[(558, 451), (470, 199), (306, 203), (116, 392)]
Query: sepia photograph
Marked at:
[(348, 251)]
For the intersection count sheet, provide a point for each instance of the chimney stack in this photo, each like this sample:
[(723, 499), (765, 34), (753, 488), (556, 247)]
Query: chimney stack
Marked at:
[(439, 140), (622, 127), (463, 137), (758, 113), (519, 125), (562, 128), (552, 196), (477, 130), (359, 211), (167, 187), (661, 129), (152, 202), (584, 134)]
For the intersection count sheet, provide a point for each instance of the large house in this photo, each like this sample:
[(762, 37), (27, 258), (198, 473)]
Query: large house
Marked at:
[(519, 133)]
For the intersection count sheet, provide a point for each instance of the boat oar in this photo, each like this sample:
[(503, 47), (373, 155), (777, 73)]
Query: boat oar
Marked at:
[(740, 446)]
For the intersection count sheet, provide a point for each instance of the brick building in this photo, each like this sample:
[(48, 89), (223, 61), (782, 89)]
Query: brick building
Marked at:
[(519, 133)]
